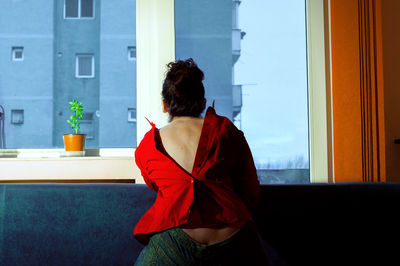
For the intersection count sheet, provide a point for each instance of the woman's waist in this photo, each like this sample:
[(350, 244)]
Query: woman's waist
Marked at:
[(212, 235)]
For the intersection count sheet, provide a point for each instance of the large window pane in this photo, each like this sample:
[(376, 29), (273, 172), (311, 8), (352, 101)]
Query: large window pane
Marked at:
[(84, 66), (253, 54), (87, 8), (42, 84), (71, 8)]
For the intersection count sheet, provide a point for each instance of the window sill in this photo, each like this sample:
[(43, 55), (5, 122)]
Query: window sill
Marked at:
[(107, 165), (59, 153)]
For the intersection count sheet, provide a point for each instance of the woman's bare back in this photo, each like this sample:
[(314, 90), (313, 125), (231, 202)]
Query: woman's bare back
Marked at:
[(180, 140)]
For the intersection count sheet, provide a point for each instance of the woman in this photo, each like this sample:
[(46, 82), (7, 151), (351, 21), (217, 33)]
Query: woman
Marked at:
[(206, 182)]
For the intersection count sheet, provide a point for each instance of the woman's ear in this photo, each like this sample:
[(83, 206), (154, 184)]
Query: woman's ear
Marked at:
[(165, 106)]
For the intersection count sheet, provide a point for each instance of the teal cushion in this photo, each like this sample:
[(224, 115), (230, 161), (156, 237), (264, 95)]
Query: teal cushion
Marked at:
[(71, 224)]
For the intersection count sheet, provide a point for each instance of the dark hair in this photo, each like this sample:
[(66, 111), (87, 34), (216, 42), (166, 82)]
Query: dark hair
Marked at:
[(183, 89)]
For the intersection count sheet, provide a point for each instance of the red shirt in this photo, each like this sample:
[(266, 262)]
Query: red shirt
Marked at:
[(221, 190)]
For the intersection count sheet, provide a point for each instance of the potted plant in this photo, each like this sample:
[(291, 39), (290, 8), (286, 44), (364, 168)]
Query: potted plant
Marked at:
[(75, 141)]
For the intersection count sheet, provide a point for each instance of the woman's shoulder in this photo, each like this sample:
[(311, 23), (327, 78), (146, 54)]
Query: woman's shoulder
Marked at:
[(212, 117), (146, 142), (222, 127), (223, 121)]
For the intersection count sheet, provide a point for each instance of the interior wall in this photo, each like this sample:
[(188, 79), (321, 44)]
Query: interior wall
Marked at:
[(346, 104), (358, 101), (391, 74)]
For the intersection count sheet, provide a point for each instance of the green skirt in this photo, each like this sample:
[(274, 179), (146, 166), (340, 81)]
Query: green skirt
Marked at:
[(174, 247)]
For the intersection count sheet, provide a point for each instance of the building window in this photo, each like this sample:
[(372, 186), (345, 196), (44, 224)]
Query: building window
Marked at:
[(79, 9), (87, 125), (17, 117), (132, 115), (17, 53), (84, 66), (132, 53)]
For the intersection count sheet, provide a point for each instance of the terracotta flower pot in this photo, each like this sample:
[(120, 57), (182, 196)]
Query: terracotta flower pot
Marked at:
[(74, 142)]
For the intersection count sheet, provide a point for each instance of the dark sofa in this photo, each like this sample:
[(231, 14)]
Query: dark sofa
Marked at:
[(92, 224)]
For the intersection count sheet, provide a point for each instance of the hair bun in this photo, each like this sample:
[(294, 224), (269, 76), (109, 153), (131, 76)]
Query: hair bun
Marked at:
[(183, 88), (182, 74)]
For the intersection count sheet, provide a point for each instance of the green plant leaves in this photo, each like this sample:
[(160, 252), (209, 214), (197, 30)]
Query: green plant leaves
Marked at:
[(77, 109)]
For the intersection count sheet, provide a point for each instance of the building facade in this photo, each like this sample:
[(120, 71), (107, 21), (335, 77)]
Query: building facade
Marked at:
[(54, 51)]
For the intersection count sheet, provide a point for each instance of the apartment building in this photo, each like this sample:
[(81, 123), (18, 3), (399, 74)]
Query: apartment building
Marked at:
[(54, 51)]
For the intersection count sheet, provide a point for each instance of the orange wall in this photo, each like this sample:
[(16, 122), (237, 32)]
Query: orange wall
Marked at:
[(364, 148), (365, 70), (346, 104), (391, 74)]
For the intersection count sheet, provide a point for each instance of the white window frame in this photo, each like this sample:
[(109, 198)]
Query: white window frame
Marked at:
[(79, 11), (16, 49), (155, 48), (319, 91), (77, 66)]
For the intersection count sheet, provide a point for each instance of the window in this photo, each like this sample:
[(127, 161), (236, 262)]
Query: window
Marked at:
[(17, 53), (131, 53), (68, 59), (87, 125), (2, 118), (79, 9), (132, 115), (256, 72), (84, 66), (17, 117), (113, 91)]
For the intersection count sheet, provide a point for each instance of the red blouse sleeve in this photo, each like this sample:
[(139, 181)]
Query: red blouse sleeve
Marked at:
[(143, 171), (245, 181)]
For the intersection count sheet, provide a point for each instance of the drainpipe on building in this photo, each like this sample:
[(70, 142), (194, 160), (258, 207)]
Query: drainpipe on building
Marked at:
[(2, 135)]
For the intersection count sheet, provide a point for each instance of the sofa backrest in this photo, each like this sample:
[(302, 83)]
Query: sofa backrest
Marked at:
[(71, 224), (92, 224), (332, 224)]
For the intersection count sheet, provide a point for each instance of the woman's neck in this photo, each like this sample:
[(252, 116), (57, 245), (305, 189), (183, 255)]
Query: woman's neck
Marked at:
[(183, 118)]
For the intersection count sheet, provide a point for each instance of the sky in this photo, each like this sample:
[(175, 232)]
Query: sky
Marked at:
[(273, 70)]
